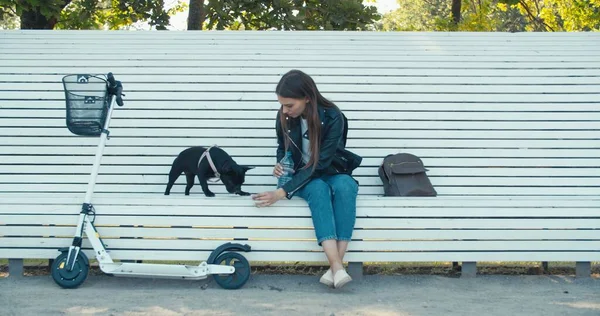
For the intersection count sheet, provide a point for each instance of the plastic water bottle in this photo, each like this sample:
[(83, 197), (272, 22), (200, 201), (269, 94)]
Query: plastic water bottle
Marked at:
[(288, 169)]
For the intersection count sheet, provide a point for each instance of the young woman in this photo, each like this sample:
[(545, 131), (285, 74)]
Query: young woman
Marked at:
[(313, 128)]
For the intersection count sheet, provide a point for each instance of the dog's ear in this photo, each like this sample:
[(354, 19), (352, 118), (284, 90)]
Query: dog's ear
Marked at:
[(246, 168)]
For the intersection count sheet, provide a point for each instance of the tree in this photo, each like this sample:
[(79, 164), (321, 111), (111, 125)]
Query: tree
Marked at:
[(8, 19), (34, 14), (289, 14), (336, 15), (456, 4), (494, 15), (88, 14), (559, 15), (488, 15), (195, 15), (417, 15)]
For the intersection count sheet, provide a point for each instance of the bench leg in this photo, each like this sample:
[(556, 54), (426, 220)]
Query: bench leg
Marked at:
[(455, 266), (355, 269), (15, 268), (583, 269), (469, 269), (545, 266)]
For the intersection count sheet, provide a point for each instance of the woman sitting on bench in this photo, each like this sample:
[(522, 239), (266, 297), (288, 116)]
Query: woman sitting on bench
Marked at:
[(312, 128)]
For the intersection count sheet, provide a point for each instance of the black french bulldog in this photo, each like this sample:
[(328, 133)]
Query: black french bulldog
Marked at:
[(232, 174)]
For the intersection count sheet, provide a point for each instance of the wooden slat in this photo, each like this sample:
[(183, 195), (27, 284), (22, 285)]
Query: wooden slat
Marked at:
[(397, 144), (347, 106), (274, 47), (108, 232), (184, 88), (333, 45), (352, 37), (101, 52), (264, 161), (338, 96), (270, 180), (269, 152), (374, 79), (235, 56), (305, 222), (370, 134), (284, 209), (156, 71), (311, 245), (443, 36), (522, 172), (382, 126), (362, 201), (178, 189), (294, 63), (128, 113), (320, 256)]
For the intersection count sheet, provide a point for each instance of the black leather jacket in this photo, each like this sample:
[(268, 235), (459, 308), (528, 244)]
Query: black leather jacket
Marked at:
[(333, 131)]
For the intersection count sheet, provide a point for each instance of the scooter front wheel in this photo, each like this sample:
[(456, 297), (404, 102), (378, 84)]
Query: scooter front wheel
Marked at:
[(70, 279), (241, 274)]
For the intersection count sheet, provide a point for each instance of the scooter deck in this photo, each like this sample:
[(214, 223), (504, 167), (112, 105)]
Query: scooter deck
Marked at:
[(170, 271)]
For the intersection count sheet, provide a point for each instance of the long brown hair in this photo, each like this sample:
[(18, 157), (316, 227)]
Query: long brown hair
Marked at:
[(296, 84)]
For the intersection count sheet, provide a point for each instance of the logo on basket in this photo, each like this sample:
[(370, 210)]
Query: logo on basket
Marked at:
[(83, 78), (89, 100)]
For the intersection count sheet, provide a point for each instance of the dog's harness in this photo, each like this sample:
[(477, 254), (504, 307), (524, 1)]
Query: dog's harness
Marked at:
[(206, 154)]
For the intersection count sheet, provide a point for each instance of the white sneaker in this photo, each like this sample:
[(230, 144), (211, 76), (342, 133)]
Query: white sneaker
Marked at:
[(327, 278), (341, 278)]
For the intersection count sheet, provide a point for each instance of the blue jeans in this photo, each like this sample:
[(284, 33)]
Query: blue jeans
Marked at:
[(332, 203)]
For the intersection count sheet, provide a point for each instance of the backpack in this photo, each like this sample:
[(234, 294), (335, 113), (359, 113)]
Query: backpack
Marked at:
[(404, 175)]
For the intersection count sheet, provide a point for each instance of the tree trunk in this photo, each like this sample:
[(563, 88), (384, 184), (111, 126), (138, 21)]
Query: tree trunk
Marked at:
[(196, 15), (456, 11), (34, 19)]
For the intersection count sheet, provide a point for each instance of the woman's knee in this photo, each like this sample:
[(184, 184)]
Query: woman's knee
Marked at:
[(344, 185), (317, 188)]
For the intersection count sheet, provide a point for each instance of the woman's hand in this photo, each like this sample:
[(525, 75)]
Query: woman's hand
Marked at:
[(278, 170), (268, 198)]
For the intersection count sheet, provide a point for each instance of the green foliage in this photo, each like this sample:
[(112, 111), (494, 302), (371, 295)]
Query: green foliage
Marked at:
[(290, 14), (559, 15), (413, 15), (418, 15), (93, 14), (495, 15), (8, 17), (46, 7)]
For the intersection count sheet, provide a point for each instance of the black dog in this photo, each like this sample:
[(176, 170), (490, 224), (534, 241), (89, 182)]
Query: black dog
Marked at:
[(188, 161)]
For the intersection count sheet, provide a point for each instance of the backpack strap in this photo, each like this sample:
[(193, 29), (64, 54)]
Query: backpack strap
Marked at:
[(345, 131)]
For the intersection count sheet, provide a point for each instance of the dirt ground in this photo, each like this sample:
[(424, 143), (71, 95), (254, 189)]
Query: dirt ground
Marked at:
[(276, 294)]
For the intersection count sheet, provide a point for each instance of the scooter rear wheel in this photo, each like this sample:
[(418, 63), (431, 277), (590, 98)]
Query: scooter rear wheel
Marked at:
[(70, 279), (241, 274)]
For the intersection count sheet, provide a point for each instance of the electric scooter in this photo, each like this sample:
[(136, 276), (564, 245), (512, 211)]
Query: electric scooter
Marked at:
[(90, 101)]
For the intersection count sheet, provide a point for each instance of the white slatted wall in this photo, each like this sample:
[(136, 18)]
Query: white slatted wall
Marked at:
[(508, 125), (491, 114)]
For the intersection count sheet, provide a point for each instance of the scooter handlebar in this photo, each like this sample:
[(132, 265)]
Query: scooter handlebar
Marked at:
[(116, 88)]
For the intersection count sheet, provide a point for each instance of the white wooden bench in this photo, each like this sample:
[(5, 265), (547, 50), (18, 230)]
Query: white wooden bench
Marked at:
[(508, 125)]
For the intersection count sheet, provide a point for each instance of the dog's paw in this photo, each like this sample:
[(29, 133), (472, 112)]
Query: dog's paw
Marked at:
[(209, 194), (242, 193)]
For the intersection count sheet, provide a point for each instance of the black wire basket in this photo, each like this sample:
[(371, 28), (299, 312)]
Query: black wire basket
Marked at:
[(87, 101)]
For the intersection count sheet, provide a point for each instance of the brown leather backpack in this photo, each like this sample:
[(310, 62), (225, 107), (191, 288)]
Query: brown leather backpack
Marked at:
[(404, 175)]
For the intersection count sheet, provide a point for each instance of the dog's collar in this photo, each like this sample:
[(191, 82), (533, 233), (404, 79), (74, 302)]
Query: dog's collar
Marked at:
[(206, 154)]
